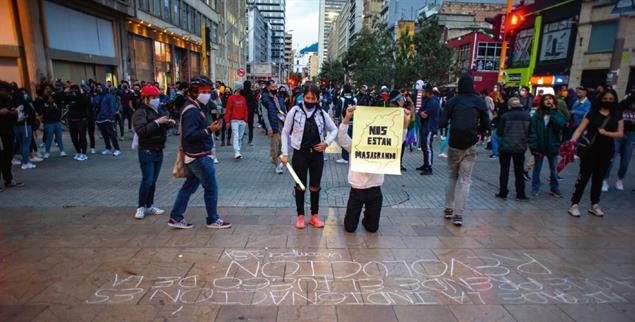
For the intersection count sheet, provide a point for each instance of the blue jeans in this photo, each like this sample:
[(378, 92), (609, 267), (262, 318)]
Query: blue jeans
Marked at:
[(345, 154), (494, 142), (200, 171), (444, 143), (150, 162), (23, 135), (623, 148), (49, 130), (553, 176)]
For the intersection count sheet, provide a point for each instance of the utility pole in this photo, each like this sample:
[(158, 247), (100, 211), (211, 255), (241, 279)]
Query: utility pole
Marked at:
[(501, 64)]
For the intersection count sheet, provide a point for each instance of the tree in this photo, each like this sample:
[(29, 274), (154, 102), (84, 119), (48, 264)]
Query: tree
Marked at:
[(433, 57), (405, 68), (332, 72), (370, 60)]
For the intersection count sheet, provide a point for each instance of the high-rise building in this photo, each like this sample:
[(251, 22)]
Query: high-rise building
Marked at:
[(329, 11), (274, 12), (259, 39), (288, 49), (371, 11)]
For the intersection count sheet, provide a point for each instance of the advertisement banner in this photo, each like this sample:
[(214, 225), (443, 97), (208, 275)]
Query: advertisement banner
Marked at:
[(555, 40), (377, 138)]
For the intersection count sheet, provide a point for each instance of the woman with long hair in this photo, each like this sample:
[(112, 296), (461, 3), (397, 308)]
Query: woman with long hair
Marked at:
[(602, 124)]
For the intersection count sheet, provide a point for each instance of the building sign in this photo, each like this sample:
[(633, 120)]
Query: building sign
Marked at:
[(549, 80), (624, 7), (514, 77), (555, 40), (521, 56)]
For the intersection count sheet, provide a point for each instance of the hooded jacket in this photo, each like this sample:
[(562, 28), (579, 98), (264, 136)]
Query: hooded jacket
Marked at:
[(107, 107), (545, 138), (271, 110), (513, 130), (467, 113)]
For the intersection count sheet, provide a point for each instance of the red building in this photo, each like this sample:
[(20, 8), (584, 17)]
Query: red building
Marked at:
[(478, 53)]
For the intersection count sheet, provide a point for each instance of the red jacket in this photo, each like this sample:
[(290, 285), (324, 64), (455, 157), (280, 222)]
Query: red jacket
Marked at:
[(236, 109)]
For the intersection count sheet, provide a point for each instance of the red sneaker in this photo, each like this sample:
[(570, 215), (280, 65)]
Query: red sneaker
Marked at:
[(299, 224), (316, 222)]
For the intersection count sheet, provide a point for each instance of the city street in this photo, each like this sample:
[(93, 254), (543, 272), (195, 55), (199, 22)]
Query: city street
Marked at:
[(71, 250)]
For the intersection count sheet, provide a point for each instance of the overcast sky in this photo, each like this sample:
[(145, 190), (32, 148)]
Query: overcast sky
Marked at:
[(302, 19)]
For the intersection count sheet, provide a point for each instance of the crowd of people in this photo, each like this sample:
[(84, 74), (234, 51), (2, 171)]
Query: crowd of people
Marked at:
[(593, 126)]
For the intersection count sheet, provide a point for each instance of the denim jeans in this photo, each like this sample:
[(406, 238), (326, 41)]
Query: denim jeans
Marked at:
[(23, 135), (51, 129), (238, 130), (460, 165), (444, 143), (623, 149), (553, 176), (494, 142), (200, 171), (150, 162)]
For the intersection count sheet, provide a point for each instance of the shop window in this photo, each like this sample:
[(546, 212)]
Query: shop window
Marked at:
[(602, 37), (488, 56), (144, 5), (463, 60)]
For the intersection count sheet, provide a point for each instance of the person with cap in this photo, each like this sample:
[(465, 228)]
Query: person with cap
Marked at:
[(429, 115), (197, 143), (274, 114), (150, 126), (236, 115), (513, 133), (468, 115)]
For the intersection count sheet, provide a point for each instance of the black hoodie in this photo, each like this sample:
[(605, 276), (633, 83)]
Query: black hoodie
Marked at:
[(466, 114)]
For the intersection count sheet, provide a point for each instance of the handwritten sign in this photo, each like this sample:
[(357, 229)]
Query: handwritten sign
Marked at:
[(377, 138)]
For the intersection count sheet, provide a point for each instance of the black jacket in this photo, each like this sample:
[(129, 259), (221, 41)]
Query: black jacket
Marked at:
[(513, 131), (51, 112), (467, 115), (152, 136), (78, 107)]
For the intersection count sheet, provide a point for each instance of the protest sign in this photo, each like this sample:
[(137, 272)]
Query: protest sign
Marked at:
[(377, 138)]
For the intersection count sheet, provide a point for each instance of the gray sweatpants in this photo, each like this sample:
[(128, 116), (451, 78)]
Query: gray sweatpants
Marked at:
[(460, 164)]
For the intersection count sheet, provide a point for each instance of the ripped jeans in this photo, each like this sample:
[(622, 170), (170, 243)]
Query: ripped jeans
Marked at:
[(308, 162)]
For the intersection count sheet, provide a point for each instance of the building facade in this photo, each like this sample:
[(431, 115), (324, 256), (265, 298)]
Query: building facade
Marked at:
[(259, 37), (288, 50), (274, 12), (477, 53), (329, 11)]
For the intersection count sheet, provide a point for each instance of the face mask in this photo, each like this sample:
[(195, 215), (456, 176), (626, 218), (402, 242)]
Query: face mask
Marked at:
[(310, 105), (204, 98), (273, 91), (565, 94), (154, 103)]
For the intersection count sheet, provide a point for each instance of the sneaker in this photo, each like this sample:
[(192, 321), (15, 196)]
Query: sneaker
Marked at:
[(596, 210), (526, 175), (92, 151), (426, 172), (421, 168), (251, 143), (605, 186), (13, 184), (499, 195), (418, 148), (619, 185), (555, 193), (63, 154), (106, 152), (42, 145), (443, 155), (457, 220), (35, 159), (116, 153), (574, 211), (216, 160), (179, 224), (279, 168), (493, 156), (82, 157), (315, 221), (141, 212), (299, 223), (448, 213), (154, 211), (46, 155), (559, 178), (341, 161), (76, 156), (219, 224), (237, 156), (28, 165)]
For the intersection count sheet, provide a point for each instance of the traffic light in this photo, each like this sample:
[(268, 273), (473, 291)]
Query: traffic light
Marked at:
[(323, 82)]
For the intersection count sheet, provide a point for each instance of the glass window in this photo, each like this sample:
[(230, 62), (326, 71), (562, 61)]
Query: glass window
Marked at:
[(144, 5), (156, 8), (184, 13), (175, 14), (464, 58), (488, 57), (166, 10), (602, 37)]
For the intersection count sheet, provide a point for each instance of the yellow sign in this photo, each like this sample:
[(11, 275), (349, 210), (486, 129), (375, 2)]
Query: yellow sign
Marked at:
[(377, 139)]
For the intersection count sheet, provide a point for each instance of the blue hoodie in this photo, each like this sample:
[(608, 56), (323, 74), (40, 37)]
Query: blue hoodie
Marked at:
[(433, 108), (107, 107), (580, 108)]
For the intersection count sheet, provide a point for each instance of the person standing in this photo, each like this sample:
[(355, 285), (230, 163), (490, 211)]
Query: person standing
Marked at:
[(363, 99), (197, 144), (305, 130), (347, 99), (24, 128), (603, 124), (468, 114), (106, 120), (236, 115), (623, 145), (78, 113), (580, 107), (250, 98), (8, 119), (274, 114), (52, 119), (513, 133), (151, 127), (429, 115)]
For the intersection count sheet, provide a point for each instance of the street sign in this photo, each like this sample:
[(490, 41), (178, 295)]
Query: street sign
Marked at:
[(240, 71)]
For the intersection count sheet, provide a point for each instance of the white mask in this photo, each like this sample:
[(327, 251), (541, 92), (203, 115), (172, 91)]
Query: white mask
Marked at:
[(204, 98), (154, 103)]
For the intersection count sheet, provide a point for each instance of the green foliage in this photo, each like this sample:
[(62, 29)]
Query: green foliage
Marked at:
[(332, 71), (433, 59), (370, 60)]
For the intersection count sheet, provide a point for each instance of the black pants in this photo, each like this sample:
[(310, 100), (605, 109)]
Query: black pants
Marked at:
[(426, 147), (6, 154), (250, 125), (90, 126), (77, 130), (128, 115), (519, 161), (226, 129), (308, 162), (371, 199), (109, 133), (120, 122), (593, 167)]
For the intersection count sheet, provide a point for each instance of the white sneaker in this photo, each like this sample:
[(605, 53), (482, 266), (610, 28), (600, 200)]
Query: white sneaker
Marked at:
[(596, 211), (63, 154), (28, 165), (35, 158), (216, 160), (82, 157), (92, 151), (237, 156), (76, 156), (46, 155), (279, 168), (574, 211), (106, 152), (38, 154), (341, 161), (154, 211), (116, 153), (418, 148), (619, 185), (605, 186), (443, 155), (141, 212)]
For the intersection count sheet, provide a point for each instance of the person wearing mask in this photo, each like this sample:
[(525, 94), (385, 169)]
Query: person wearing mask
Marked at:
[(197, 144), (603, 124), (525, 98), (544, 142), (24, 128), (305, 130), (126, 98), (513, 132), (150, 126), (8, 119), (468, 115), (282, 92), (236, 115), (363, 99), (623, 145), (52, 119), (274, 113), (429, 115), (78, 112), (250, 98), (382, 99), (94, 100), (106, 120), (347, 99)]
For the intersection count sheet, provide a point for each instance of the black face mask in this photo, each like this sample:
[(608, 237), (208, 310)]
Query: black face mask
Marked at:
[(273, 91), (310, 105)]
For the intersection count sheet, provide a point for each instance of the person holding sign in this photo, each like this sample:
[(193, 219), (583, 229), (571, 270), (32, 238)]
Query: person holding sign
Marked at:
[(305, 129), (365, 187)]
